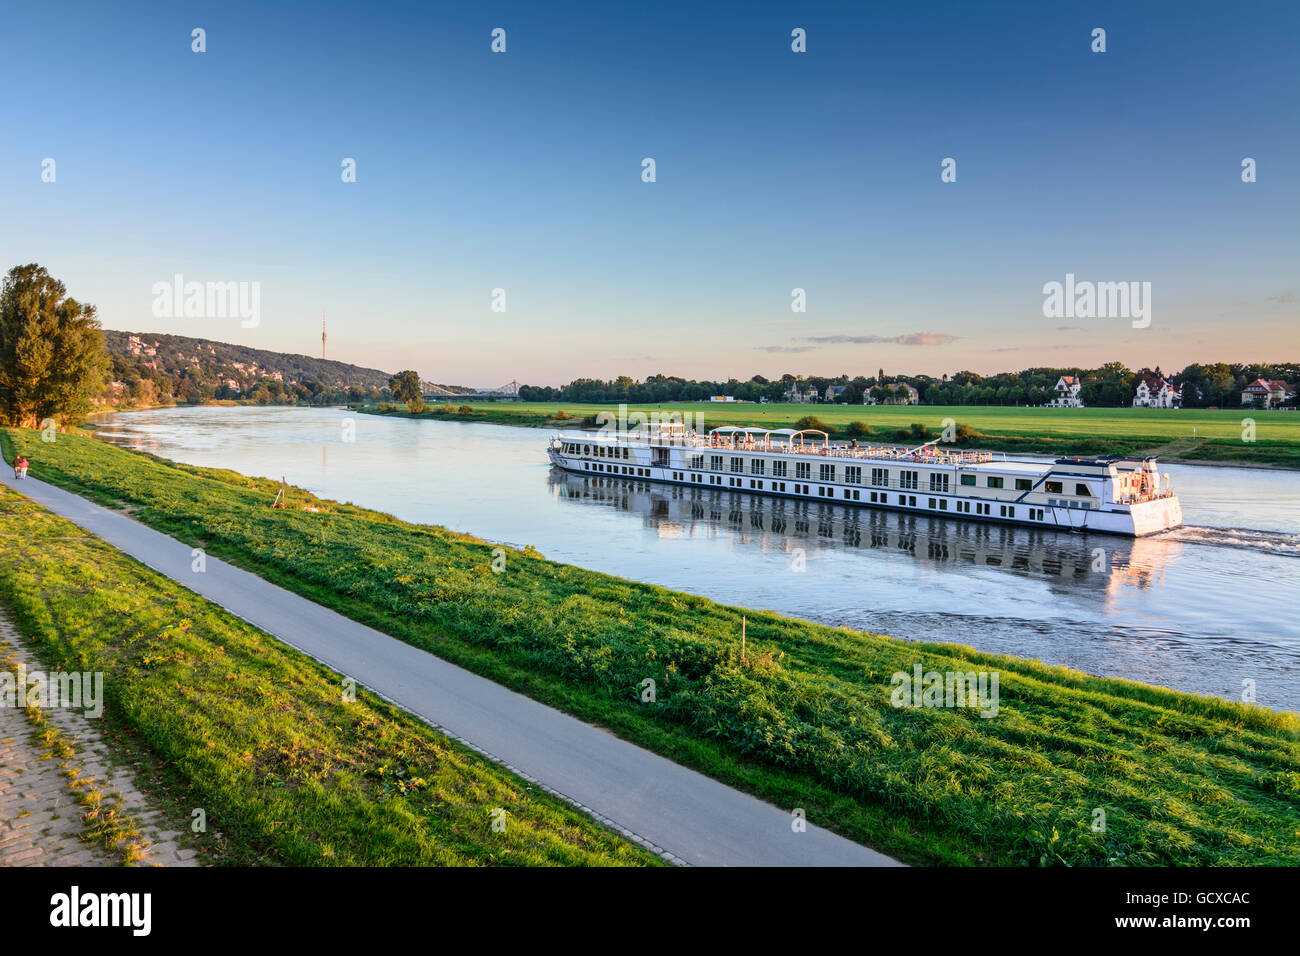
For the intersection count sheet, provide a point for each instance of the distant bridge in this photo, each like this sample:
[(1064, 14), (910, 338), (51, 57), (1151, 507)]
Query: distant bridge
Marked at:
[(509, 390)]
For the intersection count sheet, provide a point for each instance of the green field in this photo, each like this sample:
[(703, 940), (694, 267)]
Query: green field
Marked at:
[(1174, 434), (257, 735), (803, 718)]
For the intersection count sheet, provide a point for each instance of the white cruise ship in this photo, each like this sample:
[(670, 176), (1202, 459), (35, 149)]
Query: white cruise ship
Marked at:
[(1113, 494)]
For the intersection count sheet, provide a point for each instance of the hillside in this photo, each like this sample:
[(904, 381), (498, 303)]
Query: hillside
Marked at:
[(153, 366)]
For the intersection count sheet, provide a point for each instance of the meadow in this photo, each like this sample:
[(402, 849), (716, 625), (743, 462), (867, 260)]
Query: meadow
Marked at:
[(803, 716), (1218, 435), (257, 734)]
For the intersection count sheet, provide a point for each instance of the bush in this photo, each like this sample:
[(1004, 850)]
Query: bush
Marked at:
[(449, 409), (387, 408), (858, 430), (916, 432), (464, 410), (812, 421), (416, 406), (966, 432), (562, 415)]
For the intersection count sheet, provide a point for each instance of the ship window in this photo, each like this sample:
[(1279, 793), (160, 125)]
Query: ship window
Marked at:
[(825, 472), (1082, 489), (1023, 484), (737, 464), (715, 462), (907, 479), (853, 474), (968, 480), (1053, 487), (995, 481), (880, 477), (802, 469), (938, 482), (778, 469), (756, 466), (586, 449)]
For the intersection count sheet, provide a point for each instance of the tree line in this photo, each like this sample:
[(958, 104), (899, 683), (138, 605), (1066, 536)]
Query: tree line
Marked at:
[(1112, 385)]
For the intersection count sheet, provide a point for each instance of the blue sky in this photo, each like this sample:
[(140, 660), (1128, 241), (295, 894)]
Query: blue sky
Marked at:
[(775, 170)]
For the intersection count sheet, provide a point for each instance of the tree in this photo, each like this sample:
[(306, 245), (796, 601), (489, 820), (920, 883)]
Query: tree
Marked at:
[(52, 355), (405, 386)]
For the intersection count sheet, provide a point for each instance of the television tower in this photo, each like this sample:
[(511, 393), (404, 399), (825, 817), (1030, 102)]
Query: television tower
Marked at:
[(322, 333)]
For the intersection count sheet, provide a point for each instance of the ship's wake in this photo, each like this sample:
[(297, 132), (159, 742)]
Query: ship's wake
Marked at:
[(1261, 542)]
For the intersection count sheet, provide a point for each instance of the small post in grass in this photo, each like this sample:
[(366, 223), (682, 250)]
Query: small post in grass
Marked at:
[(742, 638), (281, 496)]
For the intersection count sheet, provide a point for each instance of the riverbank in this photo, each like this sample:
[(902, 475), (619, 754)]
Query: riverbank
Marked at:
[(1185, 436), (258, 736), (802, 716)]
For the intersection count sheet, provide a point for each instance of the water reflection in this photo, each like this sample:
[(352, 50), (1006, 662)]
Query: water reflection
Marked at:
[(1090, 564)]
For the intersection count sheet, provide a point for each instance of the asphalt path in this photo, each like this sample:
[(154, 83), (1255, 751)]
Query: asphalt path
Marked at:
[(690, 816)]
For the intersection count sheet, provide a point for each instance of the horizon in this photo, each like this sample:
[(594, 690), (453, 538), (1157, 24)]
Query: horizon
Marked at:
[(775, 171)]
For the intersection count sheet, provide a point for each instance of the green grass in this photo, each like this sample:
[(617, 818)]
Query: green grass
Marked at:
[(258, 734), (1177, 435), (804, 719)]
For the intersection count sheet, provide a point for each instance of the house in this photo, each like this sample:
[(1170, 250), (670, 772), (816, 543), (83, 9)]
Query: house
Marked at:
[(798, 395), (723, 398), (833, 392), (1067, 393), (900, 394), (1266, 393), (1157, 393)]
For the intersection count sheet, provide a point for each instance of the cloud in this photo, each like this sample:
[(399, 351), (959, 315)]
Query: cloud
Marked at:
[(1286, 298), (785, 348), (912, 338), (1011, 349), (1068, 328)]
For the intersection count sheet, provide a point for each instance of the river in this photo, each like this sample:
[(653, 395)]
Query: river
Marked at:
[(1207, 608)]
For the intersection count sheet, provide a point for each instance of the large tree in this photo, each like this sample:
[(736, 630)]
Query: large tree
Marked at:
[(52, 355), (405, 386)]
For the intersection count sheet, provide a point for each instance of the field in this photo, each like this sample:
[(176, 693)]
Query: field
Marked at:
[(803, 717), (1174, 434), (257, 734)]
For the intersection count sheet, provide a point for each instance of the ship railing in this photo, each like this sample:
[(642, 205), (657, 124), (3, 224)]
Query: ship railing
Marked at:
[(930, 456)]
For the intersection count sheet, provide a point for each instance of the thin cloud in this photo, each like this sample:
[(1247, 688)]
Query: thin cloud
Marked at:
[(912, 338), (785, 348), (1286, 298)]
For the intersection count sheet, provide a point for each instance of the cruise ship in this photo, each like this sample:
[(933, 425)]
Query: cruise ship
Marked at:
[(1111, 494)]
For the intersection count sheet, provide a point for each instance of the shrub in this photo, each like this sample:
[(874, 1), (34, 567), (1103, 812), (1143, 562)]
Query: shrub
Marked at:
[(562, 415), (464, 410), (416, 405), (449, 409), (812, 421), (858, 429)]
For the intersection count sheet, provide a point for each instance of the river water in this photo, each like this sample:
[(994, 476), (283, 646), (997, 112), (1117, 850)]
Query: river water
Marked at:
[(1208, 608)]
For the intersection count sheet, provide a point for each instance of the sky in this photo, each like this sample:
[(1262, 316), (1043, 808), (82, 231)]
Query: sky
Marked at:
[(774, 170)]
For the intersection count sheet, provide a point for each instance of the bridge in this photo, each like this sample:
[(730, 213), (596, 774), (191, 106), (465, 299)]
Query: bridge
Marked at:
[(510, 390)]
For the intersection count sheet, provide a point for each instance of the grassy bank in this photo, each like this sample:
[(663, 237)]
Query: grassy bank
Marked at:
[(1174, 434), (804, 718), (257, 734)]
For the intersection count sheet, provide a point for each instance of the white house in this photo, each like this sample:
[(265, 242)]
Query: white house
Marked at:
[(1067, 393), (1157, 393)]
